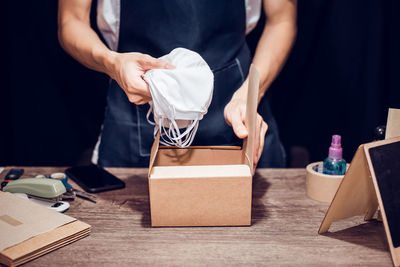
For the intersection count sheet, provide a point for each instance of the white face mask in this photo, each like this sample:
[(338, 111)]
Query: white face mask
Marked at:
[(181, 96)]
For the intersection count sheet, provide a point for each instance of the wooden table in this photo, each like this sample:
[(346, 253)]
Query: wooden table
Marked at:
[(283, 232)]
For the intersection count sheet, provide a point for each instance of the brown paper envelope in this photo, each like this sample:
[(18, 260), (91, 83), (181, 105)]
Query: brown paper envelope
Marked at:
[(21, 219)]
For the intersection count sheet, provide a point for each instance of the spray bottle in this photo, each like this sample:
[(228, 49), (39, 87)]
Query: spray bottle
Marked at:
[(334, 164)]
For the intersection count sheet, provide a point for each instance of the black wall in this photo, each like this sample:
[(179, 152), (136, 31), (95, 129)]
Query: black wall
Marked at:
[(341, 77), (53, 106)]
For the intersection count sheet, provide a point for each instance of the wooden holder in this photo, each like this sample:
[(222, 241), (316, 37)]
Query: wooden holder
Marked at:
[(359, 193)]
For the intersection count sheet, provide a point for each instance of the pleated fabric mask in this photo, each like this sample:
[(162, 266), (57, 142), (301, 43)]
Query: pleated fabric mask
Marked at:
[(180, 96)]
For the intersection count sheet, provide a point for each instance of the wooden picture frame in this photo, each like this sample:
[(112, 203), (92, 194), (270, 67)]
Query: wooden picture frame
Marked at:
[(359, 193)]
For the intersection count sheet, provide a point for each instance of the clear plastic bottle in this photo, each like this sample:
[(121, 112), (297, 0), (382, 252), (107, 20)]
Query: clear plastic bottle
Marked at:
[(334, 164)]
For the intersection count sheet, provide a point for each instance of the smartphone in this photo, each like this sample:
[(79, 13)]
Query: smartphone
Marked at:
[(94, 179), (14, 174)]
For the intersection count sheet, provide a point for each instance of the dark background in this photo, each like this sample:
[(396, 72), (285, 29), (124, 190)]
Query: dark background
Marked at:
[(340, 78)]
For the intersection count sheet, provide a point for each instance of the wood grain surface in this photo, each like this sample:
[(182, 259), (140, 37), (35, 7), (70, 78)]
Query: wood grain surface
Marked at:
[(283, 232)]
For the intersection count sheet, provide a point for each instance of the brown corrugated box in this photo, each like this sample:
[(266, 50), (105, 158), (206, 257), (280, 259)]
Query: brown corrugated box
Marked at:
[(204, 186)]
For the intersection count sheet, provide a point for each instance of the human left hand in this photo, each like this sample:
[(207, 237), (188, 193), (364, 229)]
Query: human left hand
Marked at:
[(235, 114)]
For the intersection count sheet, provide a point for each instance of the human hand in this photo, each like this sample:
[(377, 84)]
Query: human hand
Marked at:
[(235, 114), (128, 70)]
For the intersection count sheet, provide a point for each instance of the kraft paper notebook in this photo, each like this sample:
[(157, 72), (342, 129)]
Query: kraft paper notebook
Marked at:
[(28, 230)]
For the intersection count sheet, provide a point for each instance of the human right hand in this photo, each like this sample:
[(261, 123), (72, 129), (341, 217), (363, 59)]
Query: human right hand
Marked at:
[(128, 69), (235, 113)]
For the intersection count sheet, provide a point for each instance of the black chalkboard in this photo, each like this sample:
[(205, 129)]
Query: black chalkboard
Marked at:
[(386, 163)]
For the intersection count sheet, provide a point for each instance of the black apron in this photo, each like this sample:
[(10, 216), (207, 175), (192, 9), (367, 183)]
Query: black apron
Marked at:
[(215, 30)]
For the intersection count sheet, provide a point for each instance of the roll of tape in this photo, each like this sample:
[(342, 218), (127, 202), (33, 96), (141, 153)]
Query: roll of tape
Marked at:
[(319, 186), (62, 177)]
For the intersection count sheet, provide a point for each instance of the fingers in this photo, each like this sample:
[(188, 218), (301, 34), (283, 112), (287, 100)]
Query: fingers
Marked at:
[(128, 72), (147, 63), (238, 126), (138, 92), (239, 129), (139, 86), (234, 116), (137, 89), (138, 99)]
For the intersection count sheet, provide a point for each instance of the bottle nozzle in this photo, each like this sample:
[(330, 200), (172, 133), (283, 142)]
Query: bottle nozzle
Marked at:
[(336, 140), (335, 150)]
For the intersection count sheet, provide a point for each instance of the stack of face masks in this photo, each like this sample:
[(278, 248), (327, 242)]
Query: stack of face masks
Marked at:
[(181, 96)]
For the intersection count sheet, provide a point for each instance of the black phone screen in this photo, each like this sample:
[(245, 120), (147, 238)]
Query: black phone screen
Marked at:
[(94, 179)]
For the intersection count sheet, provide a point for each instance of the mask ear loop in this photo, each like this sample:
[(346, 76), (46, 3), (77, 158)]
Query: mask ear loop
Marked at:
[(157, 128), (176, 133), (175, 136), (186, 138), (163, 133), (173, 129), (186, 132), (148, 114), (164, 141), (173, 133), (168, 133), (191, 134)]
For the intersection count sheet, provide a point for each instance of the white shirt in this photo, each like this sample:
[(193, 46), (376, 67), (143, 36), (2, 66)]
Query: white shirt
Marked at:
[(108, 18)]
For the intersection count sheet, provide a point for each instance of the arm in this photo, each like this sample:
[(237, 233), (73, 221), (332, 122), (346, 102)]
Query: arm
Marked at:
[(79, 40), (271, 52)]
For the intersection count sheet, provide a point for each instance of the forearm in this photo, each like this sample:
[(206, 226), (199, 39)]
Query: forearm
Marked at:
[(273, 47), (272, 51), (79, 40)]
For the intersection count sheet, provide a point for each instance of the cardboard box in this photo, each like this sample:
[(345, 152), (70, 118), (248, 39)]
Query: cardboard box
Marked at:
[(204, 186)]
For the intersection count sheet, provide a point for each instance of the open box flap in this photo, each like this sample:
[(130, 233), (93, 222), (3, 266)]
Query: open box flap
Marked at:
[(251, 115)]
